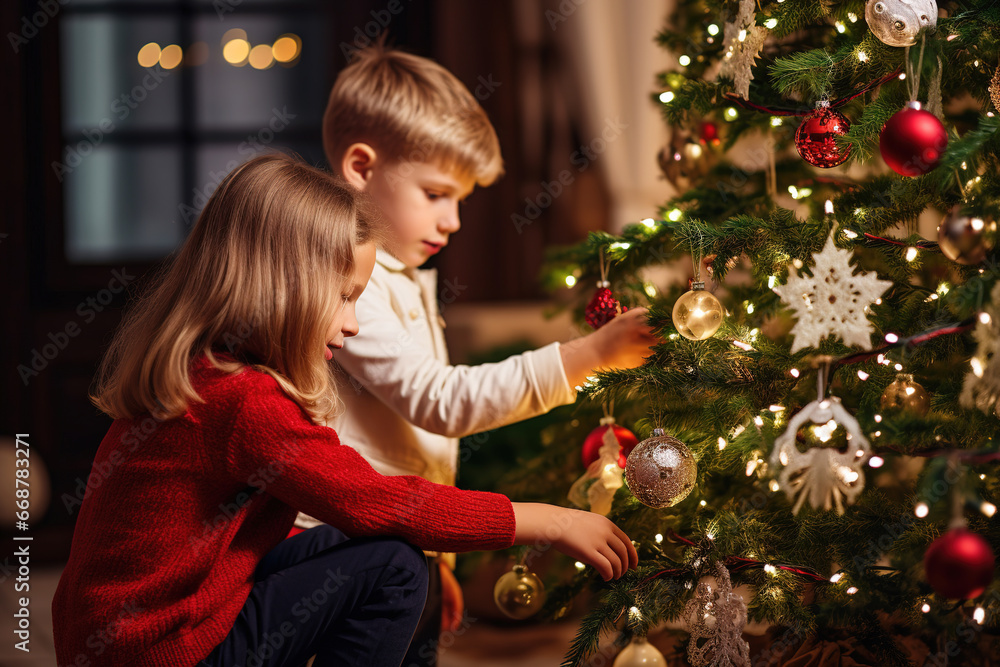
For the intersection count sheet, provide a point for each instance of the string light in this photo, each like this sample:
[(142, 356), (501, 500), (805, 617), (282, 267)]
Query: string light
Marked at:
[(149, 55), (774, 486), (772, 281), (171, 56), (864, 376), (925, 607), (649, 222), (649, 289), (570, 280), (911, 254), (722, 444), (684, 60), (891, 338), (878, 419), (841, 28), (702, 503), (675, 214), (902, 77), (620, 246), (659, 538), (984, 318), (287, 48), (921, 510), (828, 207), (770, 569), (771, 24), (667, 97), (977, 367), (852, 590), (731, 113), (837, 577), (634, 614), (776, 408), (580, 566), (713, 30), (742, 36), (862, 56), (979, 615), (758, 421), (776, 121), (876, 462), (988, 508), (794, 372), (852, 17)]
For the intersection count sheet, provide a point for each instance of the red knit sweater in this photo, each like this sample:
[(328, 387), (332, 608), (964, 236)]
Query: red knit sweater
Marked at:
[(178, 514)]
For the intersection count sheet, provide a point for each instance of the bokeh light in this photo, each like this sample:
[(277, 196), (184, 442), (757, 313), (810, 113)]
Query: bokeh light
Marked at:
[(236, 52), (171, 56), (261, 57), (149, 55), (287, 48)]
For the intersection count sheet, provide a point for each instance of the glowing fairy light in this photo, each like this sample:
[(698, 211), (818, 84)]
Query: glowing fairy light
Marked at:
[(979, 615), (837, 577), (863, 376), (570, 280), (984, 318), (580, 566), (659, 538), (921, 510), (925, 607), (988, 508), (794, 372), (776, 121), (667, 97), (876, 462), (758, 421), (977, 367), (911, 254), (675, 215), (891, 338), (862, 56), (771, 24), (649, 222), (713, 30), (852, 590), (722, 444), (684, 60)]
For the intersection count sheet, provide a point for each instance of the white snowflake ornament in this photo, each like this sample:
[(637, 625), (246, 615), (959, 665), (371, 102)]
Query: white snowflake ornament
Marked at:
[(744, 40), (832, 301)]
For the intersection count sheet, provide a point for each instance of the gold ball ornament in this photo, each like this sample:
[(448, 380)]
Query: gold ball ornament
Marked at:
[(640, 653), (995, 89), (960, 237), (660, 471), (519, 593), (697, 314), (905, 395)]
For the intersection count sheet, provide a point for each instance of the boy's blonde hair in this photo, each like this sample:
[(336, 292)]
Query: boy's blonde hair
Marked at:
[(261, 275), (410, 109)]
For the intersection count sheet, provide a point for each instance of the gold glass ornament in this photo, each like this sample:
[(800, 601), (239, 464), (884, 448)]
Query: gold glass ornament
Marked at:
[(960, 237), (905, 395), (519, 593), (697, 314), (660, 471), (640, 653)]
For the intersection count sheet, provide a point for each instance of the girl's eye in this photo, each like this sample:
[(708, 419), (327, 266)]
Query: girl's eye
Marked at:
[(434, 195)]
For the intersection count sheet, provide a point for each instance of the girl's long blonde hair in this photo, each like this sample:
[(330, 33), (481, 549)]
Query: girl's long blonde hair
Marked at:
[(261, 275)]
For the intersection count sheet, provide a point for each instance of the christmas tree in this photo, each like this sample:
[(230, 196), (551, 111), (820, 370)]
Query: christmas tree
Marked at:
[(818, 426)]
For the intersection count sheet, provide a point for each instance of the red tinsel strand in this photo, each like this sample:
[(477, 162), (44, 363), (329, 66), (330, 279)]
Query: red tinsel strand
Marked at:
[(912, 341), (923, 244)]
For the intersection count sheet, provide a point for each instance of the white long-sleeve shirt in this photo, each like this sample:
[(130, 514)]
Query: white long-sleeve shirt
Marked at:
[(406, 405)]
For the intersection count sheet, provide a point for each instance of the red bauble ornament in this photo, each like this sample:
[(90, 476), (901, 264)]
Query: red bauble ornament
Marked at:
[(816, 138), (592, 445), (959, 564), (913, 141), (603, 306), (709, 133)]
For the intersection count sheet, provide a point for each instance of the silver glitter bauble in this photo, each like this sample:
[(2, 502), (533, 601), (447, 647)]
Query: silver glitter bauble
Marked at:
[(898, 22), (660, 471)]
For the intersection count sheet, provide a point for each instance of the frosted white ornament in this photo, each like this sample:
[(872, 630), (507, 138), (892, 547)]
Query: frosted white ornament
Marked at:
[(981, 389), (606, 475), (832, 301), (824, 476), (640, 653), (717, 616), (898, 22)]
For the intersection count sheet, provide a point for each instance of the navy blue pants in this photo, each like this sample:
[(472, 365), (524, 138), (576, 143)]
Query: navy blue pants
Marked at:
[(346, 601)]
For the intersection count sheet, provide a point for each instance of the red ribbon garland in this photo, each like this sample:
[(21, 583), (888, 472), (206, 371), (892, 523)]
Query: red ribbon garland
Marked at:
[(912, 341), (747, 104)]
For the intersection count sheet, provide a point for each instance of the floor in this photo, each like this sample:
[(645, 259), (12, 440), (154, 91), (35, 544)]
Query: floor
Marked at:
[(481, 644)]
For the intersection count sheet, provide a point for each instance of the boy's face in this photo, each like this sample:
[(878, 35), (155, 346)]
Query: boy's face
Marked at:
[(345, 322), (420, 202)]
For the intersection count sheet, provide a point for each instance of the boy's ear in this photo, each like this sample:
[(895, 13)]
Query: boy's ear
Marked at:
[(357, 164)]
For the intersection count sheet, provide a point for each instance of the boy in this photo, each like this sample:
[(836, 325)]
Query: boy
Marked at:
[(409, 133)]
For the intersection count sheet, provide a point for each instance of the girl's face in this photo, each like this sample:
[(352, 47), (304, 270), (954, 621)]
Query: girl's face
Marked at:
[(345, 323)]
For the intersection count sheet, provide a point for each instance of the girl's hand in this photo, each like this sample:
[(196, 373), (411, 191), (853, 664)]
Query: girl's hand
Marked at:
[(589, 538), (452, 601)]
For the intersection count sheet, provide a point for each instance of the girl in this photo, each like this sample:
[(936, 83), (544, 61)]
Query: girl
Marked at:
[(217, 381)]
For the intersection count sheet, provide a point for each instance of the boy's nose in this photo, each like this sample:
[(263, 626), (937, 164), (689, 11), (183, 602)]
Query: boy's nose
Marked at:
[(450, 223)]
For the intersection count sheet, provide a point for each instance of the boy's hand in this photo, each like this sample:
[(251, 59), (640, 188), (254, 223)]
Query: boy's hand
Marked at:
[(589, 538), (621, 343), (452, 601)]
